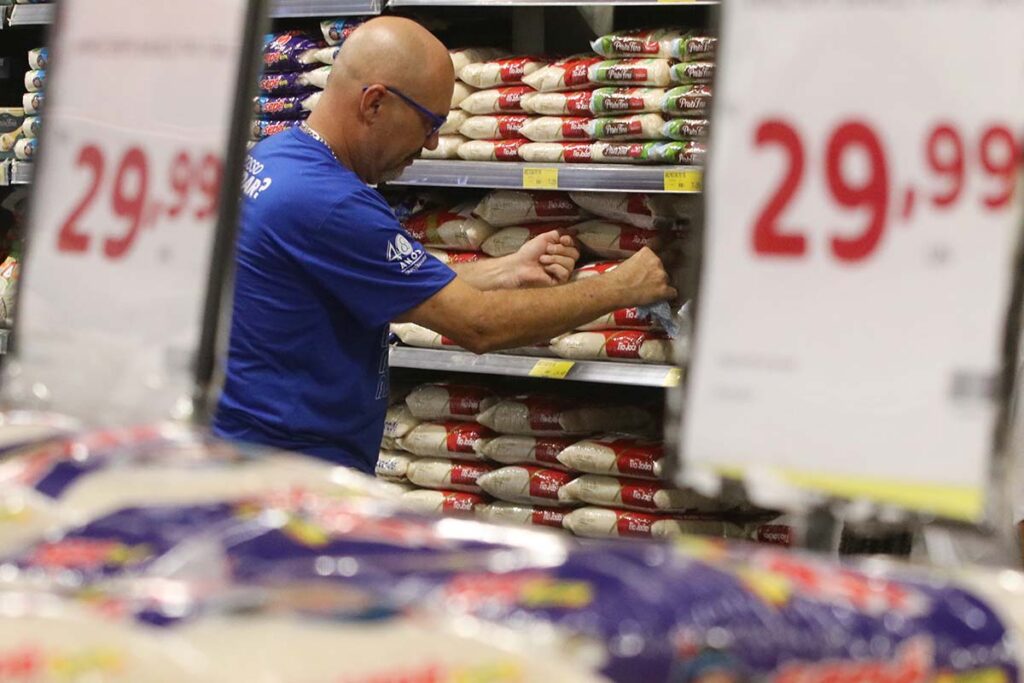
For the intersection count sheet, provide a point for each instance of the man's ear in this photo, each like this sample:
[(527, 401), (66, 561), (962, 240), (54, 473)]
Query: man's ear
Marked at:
[(371, 102)]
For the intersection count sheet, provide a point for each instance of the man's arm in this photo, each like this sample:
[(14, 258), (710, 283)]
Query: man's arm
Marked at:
[(484, 321), (545, 260)]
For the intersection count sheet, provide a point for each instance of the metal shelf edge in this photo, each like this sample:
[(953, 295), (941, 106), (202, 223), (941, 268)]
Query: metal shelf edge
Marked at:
[(541, 3), (32, 15), (21, 172), (324, 8)]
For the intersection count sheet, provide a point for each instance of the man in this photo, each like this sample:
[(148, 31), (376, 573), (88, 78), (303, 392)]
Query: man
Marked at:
[(323, 266)]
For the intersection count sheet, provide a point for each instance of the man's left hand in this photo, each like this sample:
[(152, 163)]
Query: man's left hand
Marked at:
[(546, 260)]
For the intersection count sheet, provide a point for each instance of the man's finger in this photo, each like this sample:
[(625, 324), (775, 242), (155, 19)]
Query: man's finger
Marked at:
[(558, 271)]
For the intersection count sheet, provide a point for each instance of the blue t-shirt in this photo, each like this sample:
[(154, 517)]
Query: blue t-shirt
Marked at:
[(322, 267)]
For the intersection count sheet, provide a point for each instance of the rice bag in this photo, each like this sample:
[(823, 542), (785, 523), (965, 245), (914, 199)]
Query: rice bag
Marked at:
[(686, 129), (436, 473), (431, 502), (527, 484), (615, 455), (687, 100), (399, 421), (592, 269), (613, 152), (454, 440), (638, 494), (32, 102), (460, 93), (444, 401), (316, 77), (596, 522), (447, 147), (504, 208), (557, 128), (264, 129), (471, 55), (35, 80), (613, 240), (554, 416), (289, 51), (645, 346), (287, 84), (285, 107), (451, 258), (456, 117), (510, 240), (502, 512), (622, 319), (32, 126), (38, 58), (641, 210), (392, 465), (336, 31), (25, 149), (499, 72), (597, 102), (582, 72), (412, 334), (527, 450), (455, 228), (668, 43), (326, 55), (493, 101), (493, 127), (492, 150), (688, 73)]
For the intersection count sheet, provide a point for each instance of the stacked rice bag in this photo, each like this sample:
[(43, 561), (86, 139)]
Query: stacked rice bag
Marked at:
[(24, 142)]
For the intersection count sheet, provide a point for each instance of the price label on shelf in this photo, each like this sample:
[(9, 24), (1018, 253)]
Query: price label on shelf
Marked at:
[(127, 200), (859, 254), (551, 369), (540, 178), (690, 180)]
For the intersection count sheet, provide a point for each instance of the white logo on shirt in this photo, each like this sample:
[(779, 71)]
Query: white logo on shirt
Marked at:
[(400, 250)]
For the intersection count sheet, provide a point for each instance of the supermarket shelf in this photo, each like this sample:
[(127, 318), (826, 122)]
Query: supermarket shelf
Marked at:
[(603, 372), (507, 174), (324, 8), (539, 3), (32, 15), (21, 172)]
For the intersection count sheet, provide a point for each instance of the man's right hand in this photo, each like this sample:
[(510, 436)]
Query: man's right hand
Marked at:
[(643, 279)]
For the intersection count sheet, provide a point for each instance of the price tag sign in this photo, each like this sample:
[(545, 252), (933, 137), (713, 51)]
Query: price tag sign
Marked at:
[(140, 108), (540, 178), (551, 369), (859, 258), (690, 180)]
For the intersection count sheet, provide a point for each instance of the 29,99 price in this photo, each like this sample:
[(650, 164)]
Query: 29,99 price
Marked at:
[(194, 187), (950, 156)]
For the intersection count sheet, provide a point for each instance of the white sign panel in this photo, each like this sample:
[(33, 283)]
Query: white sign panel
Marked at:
[(863, 215), (137, 122)]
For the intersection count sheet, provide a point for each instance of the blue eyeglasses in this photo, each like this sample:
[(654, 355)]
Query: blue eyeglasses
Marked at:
[(436, 121)]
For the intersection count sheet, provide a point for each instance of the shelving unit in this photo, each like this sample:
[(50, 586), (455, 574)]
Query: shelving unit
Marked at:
[(32, 15), (22, 172), (324, 8)]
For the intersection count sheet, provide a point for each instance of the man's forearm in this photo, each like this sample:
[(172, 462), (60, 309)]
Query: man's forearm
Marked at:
[(488, 274)]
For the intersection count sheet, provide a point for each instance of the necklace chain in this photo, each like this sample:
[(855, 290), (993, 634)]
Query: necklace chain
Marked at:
[(308, 130)]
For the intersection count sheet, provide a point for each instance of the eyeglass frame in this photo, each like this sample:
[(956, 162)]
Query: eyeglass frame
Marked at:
[(436, 120)]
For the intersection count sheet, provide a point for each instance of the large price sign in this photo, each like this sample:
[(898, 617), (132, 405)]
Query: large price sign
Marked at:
[(864, 214), (140, 118)]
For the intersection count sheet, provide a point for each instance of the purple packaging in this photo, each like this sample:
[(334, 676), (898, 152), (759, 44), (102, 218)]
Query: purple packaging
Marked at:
[(289, 51)]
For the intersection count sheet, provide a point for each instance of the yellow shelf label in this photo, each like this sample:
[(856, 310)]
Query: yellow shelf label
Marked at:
[(677, 1), (684, 181), (673, 377), (540, 178), (551, 369)]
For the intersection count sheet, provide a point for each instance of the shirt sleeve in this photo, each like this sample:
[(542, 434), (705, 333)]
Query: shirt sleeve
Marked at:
[(361, 254)]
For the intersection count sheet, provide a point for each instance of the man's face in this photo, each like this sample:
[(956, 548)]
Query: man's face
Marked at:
[(407, 130)]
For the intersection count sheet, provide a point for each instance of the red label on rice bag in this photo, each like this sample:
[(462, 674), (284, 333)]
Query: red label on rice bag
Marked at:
[(774, 534), (509, 98), (545, 483), (465, 401), (623, 343), (545, 413), (635, 524), (553, 204), (635, 457), (445, 341), (512, 70), (629, 317), (638, 204), (424, 226), (466, 473), (577, 152), (543, 516), (464, 436), (460, 501), (639, 494), (576, 128), (547, 448), (577, 71), (508, 150), (598, 268), (625, 150), (454, 257), (579, 103), (635, 239), (509, 125)]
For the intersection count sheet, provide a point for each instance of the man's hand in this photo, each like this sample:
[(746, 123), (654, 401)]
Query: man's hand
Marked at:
[(644, 280), (546, 260)]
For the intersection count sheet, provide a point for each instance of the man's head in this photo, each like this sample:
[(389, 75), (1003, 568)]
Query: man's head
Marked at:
[(390, 76)]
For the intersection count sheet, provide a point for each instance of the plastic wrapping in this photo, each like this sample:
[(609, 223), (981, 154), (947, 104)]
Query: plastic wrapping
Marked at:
[(450, 401), (455, 228), (536, 415)]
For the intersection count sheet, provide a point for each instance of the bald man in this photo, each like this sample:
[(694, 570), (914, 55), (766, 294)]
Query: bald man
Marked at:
[(323, 266)]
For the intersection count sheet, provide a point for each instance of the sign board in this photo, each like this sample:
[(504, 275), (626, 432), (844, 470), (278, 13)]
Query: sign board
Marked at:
[(142, 142), (863, 220)]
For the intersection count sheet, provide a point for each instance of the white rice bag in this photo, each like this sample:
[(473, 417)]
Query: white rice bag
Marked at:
[(326, 55), (32, 102), (393, 465), (35, 80), (597, 102), (455, 228), (651, 346), (527, 484), (614, 240), (460, 94), (498, 72), (501, 512), (686, 129), (471, 55), (552, 416), (557, 128), (447, 147), (444, 401), (510, 240), (399, 421), (642, 210), (638, 494), (615, 455), (456, 440), (622, 319), (412, 334), (456, 117), (493, 101), (687, 100), (451, 258), (595, 522), (436, 473), (25, 149), (430, 502), (493, 127), (592, 269), (316, 78), (690, 73), (580, 72), (337, 31), (614, 152), (31, 126), (38, 58), (492, 150), (668, 43), (528, 450), (504, 208)]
